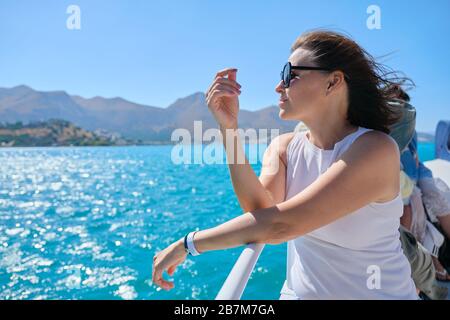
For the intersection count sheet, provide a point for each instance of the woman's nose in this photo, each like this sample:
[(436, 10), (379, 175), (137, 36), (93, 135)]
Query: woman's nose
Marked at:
[(279, 88)]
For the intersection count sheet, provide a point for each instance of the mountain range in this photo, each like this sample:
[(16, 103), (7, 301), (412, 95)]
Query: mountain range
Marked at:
[(117, 115)]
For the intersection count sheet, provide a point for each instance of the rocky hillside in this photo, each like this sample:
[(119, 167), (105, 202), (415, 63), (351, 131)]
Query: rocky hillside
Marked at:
[(53, 133)]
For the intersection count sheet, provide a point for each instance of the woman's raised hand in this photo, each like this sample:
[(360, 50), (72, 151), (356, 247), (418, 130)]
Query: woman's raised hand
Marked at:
[(222, 98)]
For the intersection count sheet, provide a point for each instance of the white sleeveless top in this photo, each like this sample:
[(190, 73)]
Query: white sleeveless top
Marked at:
[(358, 256)]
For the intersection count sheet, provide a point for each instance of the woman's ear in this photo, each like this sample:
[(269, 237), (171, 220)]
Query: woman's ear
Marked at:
[(335, 80)]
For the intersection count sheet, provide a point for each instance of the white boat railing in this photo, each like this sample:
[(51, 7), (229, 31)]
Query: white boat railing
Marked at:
[(237, 279)]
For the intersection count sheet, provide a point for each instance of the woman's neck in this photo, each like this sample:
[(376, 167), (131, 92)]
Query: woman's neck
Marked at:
[(325, 136)]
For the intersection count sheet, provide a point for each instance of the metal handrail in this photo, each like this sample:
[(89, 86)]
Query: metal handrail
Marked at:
[(237, 279)]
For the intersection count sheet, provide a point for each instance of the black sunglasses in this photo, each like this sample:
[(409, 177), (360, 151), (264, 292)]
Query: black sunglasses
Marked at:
[(286, 74)]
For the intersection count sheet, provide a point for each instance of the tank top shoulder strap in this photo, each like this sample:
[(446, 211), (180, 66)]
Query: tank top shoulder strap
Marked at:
[(293, 144), (355, 135), (340, 146), (344, 144)]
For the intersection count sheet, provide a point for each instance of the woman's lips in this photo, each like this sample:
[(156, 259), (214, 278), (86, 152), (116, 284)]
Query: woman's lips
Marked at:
[(282, 101)]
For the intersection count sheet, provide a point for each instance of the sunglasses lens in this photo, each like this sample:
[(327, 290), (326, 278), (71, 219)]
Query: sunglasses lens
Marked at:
[(286, 75)]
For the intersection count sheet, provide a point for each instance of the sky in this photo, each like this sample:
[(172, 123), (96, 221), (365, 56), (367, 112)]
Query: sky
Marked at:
[(156, 51)]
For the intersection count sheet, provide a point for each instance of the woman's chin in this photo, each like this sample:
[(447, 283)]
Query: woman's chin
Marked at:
[(283, 114)]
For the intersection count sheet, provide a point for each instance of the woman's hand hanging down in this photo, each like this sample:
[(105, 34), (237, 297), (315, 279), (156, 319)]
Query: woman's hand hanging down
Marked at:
[(167, 260), (222, 98)]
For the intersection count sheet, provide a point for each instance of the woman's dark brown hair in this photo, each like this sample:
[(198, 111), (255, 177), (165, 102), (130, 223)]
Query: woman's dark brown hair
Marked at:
[(366, 79), (396, 91)]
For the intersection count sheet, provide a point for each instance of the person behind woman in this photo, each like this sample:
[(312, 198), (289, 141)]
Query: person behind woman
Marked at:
[(420, 259), (425, 193), (331, 192), (434, 199)]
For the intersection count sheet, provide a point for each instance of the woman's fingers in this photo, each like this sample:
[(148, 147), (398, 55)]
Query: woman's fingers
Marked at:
[(220, 86), (228, 82), (159, 280), (225, 72), (166, 285), (171, 270), (167, 260), (232, 75), (220, 76), (224, 82), (219, 94), (220, 90)]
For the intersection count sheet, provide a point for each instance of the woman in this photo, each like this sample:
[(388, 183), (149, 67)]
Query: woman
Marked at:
[(331, 192)]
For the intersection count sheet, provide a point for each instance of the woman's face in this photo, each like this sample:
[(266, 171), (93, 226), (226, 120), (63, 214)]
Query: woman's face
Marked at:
[(306, 96)]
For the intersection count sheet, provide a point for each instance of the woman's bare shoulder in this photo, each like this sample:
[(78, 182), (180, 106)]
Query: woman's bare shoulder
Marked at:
[(378, 142), (284, 139), (279, 145), (380, 154)]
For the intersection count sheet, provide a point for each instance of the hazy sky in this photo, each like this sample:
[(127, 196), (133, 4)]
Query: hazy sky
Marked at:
[(153, 52)]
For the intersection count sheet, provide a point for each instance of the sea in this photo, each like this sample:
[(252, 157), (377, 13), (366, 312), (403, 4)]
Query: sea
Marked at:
[(85, 223)]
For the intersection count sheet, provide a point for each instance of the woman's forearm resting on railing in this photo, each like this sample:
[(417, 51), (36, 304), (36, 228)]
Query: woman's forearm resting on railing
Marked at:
[(250, 227)]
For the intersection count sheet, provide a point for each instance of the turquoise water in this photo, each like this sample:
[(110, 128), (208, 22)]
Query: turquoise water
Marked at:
[(84, 223), (426, 151)]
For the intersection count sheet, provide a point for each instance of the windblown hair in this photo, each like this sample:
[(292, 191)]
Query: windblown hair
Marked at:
[(395, 91), (367, 80)]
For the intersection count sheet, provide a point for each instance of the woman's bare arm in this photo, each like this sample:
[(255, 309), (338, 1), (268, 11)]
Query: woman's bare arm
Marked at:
[(253, 192), (368, 172)]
